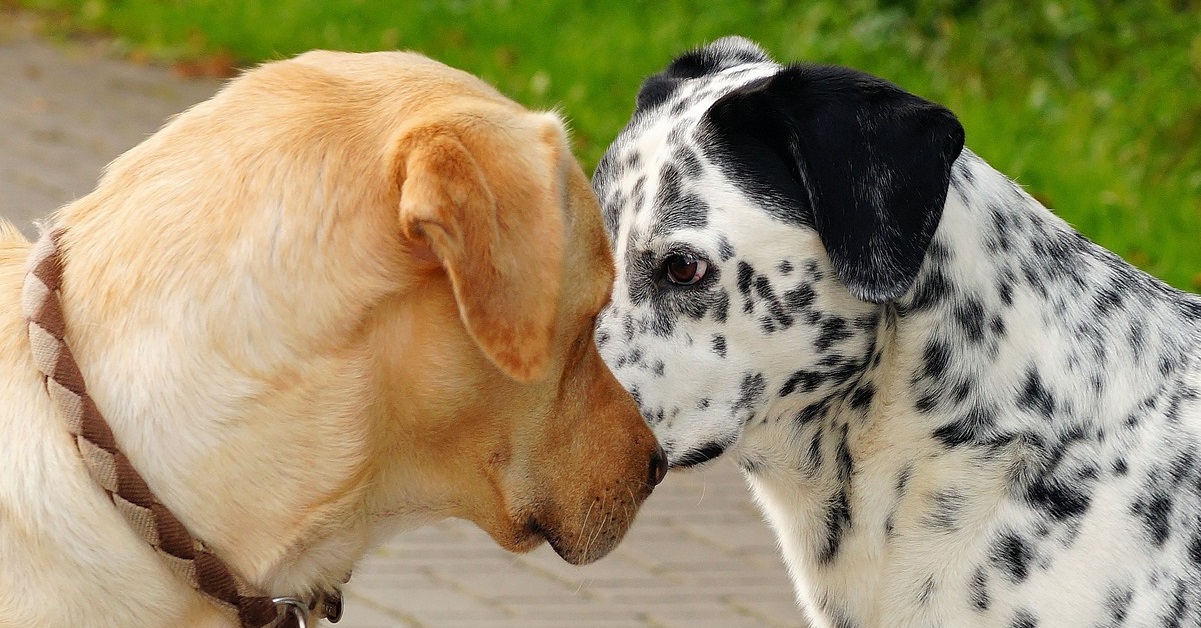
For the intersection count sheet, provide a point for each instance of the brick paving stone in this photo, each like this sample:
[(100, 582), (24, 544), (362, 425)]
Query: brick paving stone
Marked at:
[(362, 613), (527, 622), (772, 604), (698, 556), (688, 613)]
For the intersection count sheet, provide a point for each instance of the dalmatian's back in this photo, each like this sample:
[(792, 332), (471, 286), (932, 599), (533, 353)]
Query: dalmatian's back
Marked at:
[(953, 409)]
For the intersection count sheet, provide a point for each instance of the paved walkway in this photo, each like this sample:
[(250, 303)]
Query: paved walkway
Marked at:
[(698, 555)]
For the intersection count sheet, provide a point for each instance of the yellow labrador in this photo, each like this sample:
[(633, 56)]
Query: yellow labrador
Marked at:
[(349, 294)]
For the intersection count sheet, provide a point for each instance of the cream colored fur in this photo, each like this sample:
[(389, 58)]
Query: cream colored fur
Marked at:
[(348, 295)]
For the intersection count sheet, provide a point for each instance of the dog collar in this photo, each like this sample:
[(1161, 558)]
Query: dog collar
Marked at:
[(188, 557)]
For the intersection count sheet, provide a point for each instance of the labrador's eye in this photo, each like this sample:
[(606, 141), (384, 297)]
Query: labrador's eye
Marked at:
[(684, 270)]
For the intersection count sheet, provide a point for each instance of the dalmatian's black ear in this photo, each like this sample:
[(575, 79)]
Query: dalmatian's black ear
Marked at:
[(873, 160), (723, 53)]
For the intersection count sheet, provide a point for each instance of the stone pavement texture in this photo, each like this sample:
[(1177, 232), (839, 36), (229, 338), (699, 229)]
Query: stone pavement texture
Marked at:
[(698, 554)]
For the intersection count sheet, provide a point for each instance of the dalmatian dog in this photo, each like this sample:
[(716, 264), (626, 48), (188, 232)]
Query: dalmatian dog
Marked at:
[(953, 409)]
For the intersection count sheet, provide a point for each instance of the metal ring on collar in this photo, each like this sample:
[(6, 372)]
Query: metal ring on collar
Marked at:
[(299, 610)]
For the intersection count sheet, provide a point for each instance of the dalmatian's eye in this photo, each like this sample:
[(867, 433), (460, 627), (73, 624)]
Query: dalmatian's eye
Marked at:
[(684, 270)]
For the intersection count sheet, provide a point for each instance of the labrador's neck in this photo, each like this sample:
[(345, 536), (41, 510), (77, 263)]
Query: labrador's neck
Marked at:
[(253, 432)]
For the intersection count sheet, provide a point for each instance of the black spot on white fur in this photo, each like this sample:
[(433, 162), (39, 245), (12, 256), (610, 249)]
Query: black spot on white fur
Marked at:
[(1023, 619)]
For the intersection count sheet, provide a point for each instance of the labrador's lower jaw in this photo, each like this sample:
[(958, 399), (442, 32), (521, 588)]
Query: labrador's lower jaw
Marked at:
[(588, 544)]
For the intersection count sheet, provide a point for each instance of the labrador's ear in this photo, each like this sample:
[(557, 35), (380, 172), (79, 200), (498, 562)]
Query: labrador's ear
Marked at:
[(873, 160), (487, 196)]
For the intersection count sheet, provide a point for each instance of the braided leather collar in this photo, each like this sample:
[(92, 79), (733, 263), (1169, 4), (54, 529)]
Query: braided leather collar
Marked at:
[(188, 557)]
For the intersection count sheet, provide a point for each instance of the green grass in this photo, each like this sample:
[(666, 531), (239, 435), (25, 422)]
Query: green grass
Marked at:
[(1095, 107)]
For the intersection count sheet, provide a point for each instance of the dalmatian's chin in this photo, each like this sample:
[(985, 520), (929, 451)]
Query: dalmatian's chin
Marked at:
[(697, 456), (694, 450)]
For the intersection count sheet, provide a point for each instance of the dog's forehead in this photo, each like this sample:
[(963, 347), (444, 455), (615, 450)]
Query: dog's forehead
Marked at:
[(658, 129), (661, 149)]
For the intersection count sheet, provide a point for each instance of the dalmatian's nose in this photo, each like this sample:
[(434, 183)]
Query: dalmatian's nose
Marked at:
[(658, 467)]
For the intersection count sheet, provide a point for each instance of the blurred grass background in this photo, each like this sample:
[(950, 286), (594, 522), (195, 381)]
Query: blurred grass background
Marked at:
[(1094, 106)]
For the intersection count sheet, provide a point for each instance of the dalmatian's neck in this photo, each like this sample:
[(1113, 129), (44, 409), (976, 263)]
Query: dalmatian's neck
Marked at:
[(1015, 310), (1021, 355)]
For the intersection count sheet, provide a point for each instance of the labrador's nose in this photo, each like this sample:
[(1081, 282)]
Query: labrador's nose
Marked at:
[(658, 467)]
